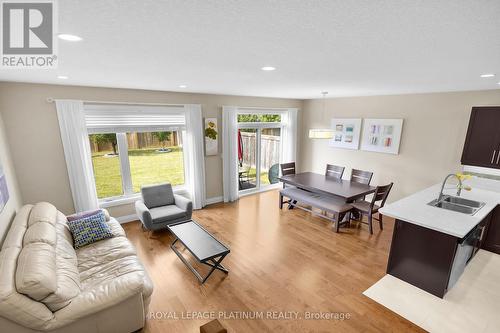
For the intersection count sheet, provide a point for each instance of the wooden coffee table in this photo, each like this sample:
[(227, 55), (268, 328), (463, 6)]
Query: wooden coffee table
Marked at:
[(207, 249)]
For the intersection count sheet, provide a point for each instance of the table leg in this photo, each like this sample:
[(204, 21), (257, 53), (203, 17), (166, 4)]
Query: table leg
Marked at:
[(214, 264)]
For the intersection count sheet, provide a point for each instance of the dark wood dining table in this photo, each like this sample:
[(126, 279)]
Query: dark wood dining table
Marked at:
[(321, 184)]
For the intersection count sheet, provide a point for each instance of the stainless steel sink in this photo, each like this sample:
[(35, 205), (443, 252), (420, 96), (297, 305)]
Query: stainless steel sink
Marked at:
[(457, 204), (464, 202)]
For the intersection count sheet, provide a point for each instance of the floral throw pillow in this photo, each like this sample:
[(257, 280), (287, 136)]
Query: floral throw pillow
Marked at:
[(89, 229)]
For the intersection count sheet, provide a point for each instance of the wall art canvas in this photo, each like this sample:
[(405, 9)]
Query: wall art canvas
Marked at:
[(211, 136), (4, 191), (347, 132), (382, 135)]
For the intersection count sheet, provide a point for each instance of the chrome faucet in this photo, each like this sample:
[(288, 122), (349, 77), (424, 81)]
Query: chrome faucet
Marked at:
[(459, 189)]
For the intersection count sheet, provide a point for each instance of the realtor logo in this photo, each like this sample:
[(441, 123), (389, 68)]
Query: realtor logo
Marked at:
[(28, 34)]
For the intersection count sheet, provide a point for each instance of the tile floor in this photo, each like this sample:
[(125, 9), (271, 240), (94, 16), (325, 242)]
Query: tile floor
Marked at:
[(471, 306)]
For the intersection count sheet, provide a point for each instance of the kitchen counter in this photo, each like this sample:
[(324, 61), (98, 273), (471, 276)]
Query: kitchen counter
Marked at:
[(415, 208)]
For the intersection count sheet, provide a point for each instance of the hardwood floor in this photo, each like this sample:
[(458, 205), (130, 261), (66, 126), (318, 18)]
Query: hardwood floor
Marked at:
[(283, 261)]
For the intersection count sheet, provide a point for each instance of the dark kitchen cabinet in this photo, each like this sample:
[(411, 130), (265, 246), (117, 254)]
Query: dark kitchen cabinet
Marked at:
[(482, 144), (491, 240)]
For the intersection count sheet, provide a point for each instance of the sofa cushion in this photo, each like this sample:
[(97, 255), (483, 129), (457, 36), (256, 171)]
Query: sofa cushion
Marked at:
[(17, 229), (36, 270), (40, 233), (93, 257), (89, 230), (166, 213), (36, 264), (43, 212), (157, 195), (112, 259), (115, 227), (67, 275)]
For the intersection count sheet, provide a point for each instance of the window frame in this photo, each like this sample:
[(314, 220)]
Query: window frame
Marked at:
[(128, 195)]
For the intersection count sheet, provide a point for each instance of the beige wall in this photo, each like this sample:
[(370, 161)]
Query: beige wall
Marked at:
[(14, 202), (434, 131), (433, 135), (36, 147)]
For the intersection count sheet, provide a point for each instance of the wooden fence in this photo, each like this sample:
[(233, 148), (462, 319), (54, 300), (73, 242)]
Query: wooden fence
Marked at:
[(138, 141), (270, 150)]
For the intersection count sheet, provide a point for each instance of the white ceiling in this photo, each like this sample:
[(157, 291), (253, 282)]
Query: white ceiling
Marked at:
[(349, 48)]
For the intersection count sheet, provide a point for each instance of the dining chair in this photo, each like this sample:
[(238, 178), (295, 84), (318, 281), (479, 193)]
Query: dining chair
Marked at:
[(370, 207), (334, 171), (288, 168), (273, 174), (361, 177)]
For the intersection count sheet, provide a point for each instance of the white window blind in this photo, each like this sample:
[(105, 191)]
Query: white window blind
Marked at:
[(133, 118)]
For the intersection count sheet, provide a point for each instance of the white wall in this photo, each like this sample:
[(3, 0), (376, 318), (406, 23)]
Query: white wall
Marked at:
[(14, 203), (35, 141), (434, 131)]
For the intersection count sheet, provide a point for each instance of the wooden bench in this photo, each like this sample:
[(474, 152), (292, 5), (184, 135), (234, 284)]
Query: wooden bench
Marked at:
[(328, 204)]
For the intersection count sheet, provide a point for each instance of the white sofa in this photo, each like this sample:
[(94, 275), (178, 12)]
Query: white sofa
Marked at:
[(46, 285)]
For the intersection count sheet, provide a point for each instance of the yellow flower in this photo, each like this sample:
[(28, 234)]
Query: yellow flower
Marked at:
[(462, 176)]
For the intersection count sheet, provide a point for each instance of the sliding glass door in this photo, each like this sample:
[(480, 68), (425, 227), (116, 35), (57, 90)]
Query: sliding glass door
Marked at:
[(247, 159), (270, 148), (259, 151)]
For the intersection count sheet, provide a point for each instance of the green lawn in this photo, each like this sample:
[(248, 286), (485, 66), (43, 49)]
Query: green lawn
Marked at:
[(147, 166)]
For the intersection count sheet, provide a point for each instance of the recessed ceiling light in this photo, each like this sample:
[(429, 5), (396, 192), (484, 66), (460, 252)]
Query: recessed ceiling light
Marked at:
[(487, 75), (268, 68), (62, 77), (69, 38), (183, 86)]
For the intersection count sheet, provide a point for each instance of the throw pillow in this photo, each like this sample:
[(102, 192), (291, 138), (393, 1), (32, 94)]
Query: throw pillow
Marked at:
[(78, 216), (89, 229)]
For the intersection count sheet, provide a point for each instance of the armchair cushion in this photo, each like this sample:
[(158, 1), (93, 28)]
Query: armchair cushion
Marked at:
[(167, 213), (157, 195)]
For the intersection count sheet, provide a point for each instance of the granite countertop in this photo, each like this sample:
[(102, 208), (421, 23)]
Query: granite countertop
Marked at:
[(415, 209)]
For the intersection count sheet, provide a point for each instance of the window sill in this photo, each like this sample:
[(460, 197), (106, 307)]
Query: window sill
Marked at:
[(132, 198)]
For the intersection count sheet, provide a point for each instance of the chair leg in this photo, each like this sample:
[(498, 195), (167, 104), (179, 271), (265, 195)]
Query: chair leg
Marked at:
[(281, 201), (370, 224), (380, 221), (336, 216)]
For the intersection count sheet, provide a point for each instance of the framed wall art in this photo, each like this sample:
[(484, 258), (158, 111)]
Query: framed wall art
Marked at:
[(382, 135), (4, 191), (211, 136), (346, 133)]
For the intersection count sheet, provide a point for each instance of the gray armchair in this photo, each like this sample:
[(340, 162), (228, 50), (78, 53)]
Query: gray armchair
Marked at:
[(160, 207)]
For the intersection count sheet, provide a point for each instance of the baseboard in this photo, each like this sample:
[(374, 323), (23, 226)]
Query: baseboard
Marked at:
[(127, 218), (210, 201)]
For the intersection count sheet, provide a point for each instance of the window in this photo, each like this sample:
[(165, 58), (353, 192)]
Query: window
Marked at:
[(107, 173), (134, 146), (123, 162), (259, 118), (155, 157)]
